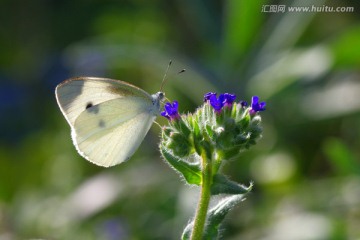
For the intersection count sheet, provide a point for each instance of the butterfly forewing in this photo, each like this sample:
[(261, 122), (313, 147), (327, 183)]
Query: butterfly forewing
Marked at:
[(108, 118), (77, 94)]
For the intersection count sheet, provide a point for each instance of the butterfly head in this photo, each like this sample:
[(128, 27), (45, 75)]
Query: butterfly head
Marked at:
[(160, 96), (157, 98)]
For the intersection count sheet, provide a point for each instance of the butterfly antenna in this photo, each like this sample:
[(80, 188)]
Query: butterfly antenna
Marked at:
[(167, 99), (164, 78), (182, 71)]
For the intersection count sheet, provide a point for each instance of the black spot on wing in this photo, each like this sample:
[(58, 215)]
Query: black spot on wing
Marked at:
[(102, 123), (89, 105), (91, 108)]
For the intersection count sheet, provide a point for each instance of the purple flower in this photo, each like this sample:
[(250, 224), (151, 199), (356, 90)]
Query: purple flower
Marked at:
[(256, 106), (225, 99), (228, 99), (171, 111), (243, 104), (216, 103)]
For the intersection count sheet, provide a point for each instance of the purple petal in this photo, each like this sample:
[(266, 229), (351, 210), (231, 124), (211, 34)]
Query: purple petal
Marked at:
[(208, 95), (164, 114), (171, 110), (254, 100), (262, 105), (256, 106), (221, 98), (229, 99), (215, 103), (175, 105), (168, 107)]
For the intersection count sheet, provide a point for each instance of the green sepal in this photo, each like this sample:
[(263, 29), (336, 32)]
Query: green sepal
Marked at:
[(229, 124), (241, 139), (181, 126), (194, 123), (190, 171), (222, 185), (209, 131), (180, 145), (245, 120)]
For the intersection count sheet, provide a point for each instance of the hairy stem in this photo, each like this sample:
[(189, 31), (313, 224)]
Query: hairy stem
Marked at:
[(203, 205)]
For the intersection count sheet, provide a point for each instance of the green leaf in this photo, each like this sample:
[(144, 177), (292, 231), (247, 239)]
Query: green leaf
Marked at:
[(217, 214), (222, 185), (190, 171), (187, 231)]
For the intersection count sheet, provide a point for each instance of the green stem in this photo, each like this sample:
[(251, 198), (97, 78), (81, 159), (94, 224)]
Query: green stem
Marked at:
[(203, 205)]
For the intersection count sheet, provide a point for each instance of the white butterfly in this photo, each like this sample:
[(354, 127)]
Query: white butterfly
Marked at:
[(108, 118)]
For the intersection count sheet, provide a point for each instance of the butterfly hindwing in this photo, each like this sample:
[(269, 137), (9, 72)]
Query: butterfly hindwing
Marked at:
[(110, 133)]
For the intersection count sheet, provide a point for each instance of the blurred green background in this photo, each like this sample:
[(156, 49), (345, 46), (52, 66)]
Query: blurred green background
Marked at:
[(304, 65)]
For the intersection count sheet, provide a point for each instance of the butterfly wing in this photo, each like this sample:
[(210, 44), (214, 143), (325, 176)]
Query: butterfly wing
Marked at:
[(76, 94), (108, 118), (109, 133)]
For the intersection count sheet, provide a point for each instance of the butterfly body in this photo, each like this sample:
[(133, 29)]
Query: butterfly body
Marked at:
[(108, 118)]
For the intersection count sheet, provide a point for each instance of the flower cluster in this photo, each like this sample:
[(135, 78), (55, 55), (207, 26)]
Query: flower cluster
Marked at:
[(221, 125)]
